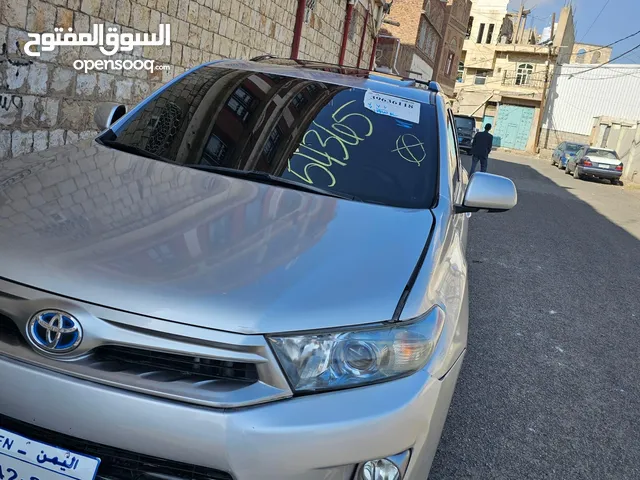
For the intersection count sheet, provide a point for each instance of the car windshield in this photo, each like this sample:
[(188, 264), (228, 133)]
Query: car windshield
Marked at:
[(603, 154), (465, 122), (318, 134), (572, 147)]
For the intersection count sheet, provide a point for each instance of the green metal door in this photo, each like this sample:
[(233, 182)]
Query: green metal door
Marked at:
[(513, 126)]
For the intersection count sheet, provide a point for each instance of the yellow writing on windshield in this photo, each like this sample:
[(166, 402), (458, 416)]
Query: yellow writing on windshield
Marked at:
[(410, 148), (323, 147)]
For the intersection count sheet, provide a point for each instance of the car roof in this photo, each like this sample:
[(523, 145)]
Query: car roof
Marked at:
[(412, 89)]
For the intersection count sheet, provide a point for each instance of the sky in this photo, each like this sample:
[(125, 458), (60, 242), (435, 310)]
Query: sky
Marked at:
[(619, 19)]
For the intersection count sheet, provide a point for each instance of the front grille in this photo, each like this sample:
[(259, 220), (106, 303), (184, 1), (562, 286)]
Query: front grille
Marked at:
[(116, 464), (9, 332), (207, 368)]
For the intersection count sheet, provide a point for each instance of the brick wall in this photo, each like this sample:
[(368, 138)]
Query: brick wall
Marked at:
[(46, 102), (550, 139)]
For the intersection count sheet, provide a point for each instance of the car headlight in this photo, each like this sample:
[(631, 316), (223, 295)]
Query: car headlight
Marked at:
[(330, 360)]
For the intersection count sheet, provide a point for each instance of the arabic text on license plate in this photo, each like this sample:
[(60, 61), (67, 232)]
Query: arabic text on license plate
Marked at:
[(25, 459), (604, 165)]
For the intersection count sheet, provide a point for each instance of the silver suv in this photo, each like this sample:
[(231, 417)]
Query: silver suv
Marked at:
[(257, 273)]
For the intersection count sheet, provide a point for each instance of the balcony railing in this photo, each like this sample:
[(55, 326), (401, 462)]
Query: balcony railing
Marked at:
[(525, 80)]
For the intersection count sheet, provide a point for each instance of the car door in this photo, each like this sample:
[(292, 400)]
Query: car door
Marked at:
[(561, 151), (573, 161), (557, 153)]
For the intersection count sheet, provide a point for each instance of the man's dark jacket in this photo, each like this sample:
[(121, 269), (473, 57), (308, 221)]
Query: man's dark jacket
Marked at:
[(482, 144)]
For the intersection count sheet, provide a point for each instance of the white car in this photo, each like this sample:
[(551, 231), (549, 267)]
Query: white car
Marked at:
[(595, 162)]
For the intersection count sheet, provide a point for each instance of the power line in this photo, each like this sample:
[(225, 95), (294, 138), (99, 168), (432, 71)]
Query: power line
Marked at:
[(611, 44), (596, 19)]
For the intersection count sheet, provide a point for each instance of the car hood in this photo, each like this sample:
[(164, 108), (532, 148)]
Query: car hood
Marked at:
[(114, 229)]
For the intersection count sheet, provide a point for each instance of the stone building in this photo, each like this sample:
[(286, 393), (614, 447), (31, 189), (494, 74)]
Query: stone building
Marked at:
[(427, 43), (505, 68), (455, 24), (45, 101), (590, 54)]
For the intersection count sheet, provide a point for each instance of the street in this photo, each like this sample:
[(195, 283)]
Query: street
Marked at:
[(550, 387)]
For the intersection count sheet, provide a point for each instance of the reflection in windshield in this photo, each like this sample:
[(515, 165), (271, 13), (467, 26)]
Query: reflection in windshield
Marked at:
[(301, 129)]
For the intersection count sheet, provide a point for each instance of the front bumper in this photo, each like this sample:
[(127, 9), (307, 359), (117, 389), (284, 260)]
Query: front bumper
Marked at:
[(316, 437), (600, 172)]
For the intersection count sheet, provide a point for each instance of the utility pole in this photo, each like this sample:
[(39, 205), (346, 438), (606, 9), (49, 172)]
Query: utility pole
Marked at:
[(543, 101), (517, 34)]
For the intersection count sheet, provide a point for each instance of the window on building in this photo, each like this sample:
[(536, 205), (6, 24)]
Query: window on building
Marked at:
[(469, 27), (490, 33), (460, 77), (271, 145), (214, 151), (595, 58), (582, 53), (480, 33), (427, 8), (240, 103), (449, 65), (481, 78), (422, 36), (309, 8), (299, 101), (524, 73)]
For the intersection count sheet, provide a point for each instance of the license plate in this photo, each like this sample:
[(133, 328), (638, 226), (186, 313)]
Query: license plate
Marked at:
[(604, 165), (25, 459)]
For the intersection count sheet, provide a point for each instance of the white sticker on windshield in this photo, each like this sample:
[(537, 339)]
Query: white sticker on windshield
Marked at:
[(391, 106)]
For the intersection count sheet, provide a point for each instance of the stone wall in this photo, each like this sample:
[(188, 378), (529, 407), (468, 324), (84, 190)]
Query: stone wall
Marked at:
[(550, 139), (46, 102)]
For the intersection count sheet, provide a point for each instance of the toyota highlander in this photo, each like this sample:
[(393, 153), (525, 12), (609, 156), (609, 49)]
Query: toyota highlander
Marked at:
[(257, 273)]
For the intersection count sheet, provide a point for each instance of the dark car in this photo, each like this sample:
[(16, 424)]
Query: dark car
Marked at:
[(595, 163), (564, 152), (466, 129)]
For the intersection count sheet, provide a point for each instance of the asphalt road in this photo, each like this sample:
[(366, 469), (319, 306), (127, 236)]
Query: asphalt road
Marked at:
[(550, 387)]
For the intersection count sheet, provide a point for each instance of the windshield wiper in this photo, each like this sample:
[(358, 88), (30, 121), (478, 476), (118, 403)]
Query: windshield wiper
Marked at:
[(124, 147), (264, 177)]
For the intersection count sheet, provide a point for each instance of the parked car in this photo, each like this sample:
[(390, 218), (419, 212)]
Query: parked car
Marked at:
[(257, 273), (466, 130), (597, 163), (565, 151)]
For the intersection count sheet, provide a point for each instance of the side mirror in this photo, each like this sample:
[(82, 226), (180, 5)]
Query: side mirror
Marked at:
[(488, 192), (107, 114)]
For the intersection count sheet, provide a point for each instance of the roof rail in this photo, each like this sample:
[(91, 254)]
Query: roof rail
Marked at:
[(261, 58), (431, 85)]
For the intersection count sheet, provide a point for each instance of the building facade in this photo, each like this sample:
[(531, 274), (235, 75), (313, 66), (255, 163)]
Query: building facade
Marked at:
[(45, 101), (590, 54), (623, 136), (427, 43), (505, 68), (578, 94), (456, 24), (411, 48)]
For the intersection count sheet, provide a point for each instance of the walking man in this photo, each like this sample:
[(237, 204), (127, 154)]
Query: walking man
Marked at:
[(481, 148)]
